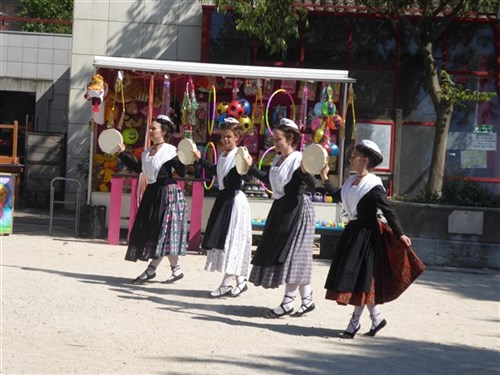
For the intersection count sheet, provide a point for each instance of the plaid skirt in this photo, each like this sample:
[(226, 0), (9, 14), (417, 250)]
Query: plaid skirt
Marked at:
[(297, 268), (160, 226)]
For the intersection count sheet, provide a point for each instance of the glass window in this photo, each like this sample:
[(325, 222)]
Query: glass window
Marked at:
[(291, 58), (412, 96), (470, 46), (373, 91), (228, 46), (373, 43), (326, 42)]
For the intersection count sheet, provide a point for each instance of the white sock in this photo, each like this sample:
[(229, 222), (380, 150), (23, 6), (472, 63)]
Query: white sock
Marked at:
[(375, 315), (354, 322), (288, 298), (227, 280), (240, 279), (307, 296), (174, 265)]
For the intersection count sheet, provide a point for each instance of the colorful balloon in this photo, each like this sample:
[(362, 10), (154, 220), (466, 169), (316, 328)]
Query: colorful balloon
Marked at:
[(328, 109), (317, 109), (318, 135), (334, 149), (338, 121), (316, 123)]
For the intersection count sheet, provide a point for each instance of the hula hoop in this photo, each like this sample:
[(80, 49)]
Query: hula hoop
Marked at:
[(210, 126), (260, 167), (214, 151), (269, 104)]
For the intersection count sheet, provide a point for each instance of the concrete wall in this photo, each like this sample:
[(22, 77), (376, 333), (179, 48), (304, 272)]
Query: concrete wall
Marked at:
[(38, 63), (153, 29), (452, 236)]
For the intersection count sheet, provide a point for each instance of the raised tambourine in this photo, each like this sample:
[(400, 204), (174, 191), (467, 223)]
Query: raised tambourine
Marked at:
[(314, 158), (110, 140), (185, 150), (241, 164)]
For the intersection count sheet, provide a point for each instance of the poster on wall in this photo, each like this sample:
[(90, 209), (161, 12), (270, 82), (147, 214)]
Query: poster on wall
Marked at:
[(382, 134), (6, 202)]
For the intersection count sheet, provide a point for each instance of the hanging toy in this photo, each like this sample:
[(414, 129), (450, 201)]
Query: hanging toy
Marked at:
[(95, 91), (258, 108), (165, 103), (303, 117)]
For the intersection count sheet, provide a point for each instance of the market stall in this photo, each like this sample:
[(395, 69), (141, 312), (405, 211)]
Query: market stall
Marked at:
[(198, 96)]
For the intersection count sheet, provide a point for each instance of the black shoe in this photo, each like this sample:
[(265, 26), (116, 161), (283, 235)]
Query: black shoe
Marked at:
[(218, 293), (373, 332), (307, 309), (349, 335), (239, 289), (173, 278), (272, 315), (139, 281)]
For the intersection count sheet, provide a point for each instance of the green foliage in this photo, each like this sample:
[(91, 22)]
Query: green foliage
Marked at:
[(457, 193), (457, 94), (47, 9), (273, 22)]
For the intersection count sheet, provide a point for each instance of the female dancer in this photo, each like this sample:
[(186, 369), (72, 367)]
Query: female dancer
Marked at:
[(351, 277), (228, 236), (284, 254), (160, 226)]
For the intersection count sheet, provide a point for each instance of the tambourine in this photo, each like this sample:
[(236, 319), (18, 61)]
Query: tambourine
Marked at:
[(185, 150), (314, 158), (110, 140), (241, 163)]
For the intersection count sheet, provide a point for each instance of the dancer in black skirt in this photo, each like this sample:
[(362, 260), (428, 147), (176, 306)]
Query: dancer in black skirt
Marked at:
[(160, 226), (353, 278), (228, 236), (284, 255)]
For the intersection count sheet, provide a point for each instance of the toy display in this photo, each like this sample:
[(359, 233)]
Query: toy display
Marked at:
[(199, 106)]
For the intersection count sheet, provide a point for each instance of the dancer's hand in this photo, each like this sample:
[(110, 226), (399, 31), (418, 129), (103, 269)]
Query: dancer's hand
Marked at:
[(406, 240)]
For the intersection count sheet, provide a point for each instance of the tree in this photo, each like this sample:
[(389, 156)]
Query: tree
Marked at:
[(427, 20), (58, 10)]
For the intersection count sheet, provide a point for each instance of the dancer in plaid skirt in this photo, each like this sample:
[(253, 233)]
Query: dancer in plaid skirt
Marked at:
[(160, 226), (284, 255)]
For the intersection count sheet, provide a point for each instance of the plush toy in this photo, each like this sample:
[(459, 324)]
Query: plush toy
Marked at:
[(95, 91)]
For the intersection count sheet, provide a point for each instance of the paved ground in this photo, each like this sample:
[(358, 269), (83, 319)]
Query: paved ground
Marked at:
[(67, 307)]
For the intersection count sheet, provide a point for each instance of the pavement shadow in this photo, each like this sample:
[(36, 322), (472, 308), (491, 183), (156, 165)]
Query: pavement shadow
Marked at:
[(465, 283), (378, 356)]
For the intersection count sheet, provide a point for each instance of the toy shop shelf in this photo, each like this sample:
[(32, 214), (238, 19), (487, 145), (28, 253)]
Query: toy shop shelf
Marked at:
[(222, 70)]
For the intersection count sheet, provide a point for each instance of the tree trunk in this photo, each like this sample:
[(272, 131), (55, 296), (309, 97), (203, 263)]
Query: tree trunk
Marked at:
[(436, 172), (444, 111)]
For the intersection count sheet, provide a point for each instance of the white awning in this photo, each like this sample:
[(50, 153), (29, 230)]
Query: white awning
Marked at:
[(222, 70)]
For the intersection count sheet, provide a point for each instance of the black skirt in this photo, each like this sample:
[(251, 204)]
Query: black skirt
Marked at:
[(218, 221), (281, 225), (352, 265)]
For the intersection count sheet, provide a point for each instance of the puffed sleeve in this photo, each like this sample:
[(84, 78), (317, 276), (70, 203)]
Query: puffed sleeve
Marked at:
[(179, 167), (389, 212), (212, 168)]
